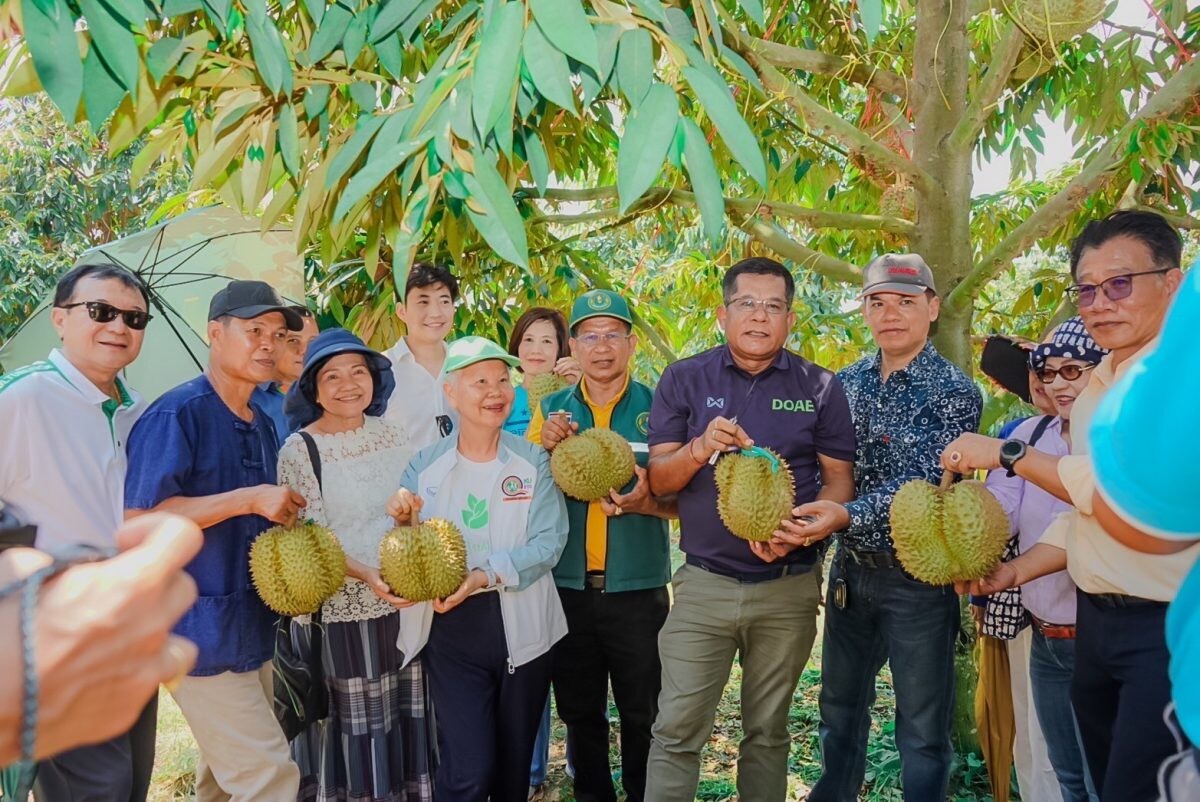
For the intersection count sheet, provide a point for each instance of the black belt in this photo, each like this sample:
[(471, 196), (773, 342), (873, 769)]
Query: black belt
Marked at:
[(1113, 601), (593, 580), (874, 559), (751, 577)]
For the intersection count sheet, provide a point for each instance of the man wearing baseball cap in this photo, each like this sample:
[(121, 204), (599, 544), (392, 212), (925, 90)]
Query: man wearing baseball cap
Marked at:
[(204, 450), (908, 402), (614, 571)]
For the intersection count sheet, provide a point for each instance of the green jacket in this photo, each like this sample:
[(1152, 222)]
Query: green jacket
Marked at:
[(638, 551)]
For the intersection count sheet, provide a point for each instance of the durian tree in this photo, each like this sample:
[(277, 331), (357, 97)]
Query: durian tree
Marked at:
[(504, 135)]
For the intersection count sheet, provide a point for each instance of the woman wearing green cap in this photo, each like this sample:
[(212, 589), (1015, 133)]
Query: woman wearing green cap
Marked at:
[(488, 648)]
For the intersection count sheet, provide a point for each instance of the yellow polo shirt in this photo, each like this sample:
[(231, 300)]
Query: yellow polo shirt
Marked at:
[(1096, 562), (597, 521)]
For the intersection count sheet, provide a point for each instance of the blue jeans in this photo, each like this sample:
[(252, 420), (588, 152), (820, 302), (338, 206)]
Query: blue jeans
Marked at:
[(1051, 664), (889, 616)]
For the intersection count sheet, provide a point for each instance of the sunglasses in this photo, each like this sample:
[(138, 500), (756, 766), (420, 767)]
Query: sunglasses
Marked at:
[(101, 312), (1068, 372), (1115, 288)]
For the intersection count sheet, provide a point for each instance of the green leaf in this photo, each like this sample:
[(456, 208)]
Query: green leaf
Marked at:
[(535, 157), (163, 55), (289, 139), (872, 17), (652, 9), (718, 103), (364, 94), (115, 42), (754, 10), (218, 12), (391, 55), (500, 223), (635, 64), (355, 38), (316, 98), (50, 35), (316, 10), (177, 8), (743, 68), (705, 182), (330, 33), (270, 55), (417, 17), (391, 16), (567, 27), (102, 92), (548, 68), (373, 173), (475, 514), (364, 131), (497, 66), (649, 130)]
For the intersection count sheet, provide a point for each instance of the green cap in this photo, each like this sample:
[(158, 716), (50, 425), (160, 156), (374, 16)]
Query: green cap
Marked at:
[(469, 350), (599, 303)]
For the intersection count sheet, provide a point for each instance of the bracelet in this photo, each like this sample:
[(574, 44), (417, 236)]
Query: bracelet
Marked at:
[(691, 453)]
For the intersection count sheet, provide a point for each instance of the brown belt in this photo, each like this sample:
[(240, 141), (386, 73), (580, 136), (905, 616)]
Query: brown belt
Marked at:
[(1054, 631)]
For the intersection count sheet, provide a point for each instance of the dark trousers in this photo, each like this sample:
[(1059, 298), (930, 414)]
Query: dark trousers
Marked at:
[(1120, 692), (612, 637), (913, 626), (114, 771), (487, 714)]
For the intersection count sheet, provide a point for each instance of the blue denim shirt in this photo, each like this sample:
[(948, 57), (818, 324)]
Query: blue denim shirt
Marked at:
[(269, 398), (189, 443), (901, 425)]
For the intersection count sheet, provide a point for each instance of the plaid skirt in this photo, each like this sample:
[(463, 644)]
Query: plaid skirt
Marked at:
[(378, 743)]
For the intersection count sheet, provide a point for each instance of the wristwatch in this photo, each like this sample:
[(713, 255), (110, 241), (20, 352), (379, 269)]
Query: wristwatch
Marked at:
[(1011, 452)]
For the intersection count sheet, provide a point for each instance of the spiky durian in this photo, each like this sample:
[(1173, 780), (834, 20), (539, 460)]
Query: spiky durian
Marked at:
[(755, 492), (295, 570), (946, 535), (423, 562), (542, 385), (1055, 21), (587, 465)]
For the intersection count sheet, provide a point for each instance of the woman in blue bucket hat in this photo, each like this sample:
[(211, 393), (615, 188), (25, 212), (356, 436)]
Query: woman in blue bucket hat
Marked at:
[(377, 742)]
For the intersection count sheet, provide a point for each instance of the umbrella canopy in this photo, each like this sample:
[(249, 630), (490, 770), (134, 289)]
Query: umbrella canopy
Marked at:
[(183, 261)]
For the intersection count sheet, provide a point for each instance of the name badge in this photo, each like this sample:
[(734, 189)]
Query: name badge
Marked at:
[(640, 448)]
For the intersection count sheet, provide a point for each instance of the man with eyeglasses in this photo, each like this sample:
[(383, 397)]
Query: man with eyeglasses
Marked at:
[(908, 401), (735, 598), (206, 451), (64, 423), (1126, 269), (613, 573), (289, 365)]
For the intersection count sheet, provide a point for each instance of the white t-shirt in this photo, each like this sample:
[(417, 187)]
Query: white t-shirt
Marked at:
[(463, 500), (62, 453), (418, 401)]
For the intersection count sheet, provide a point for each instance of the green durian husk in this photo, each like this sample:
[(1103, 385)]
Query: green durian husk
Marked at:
[(942, 536), (295, 570), (587, 465), (754, 496), (423, 562)]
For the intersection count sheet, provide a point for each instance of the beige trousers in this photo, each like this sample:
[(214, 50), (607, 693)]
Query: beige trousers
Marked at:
[(243, 754), (1035, 775)]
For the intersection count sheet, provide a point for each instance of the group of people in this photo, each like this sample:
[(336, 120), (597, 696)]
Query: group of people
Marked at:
[(450, 699)]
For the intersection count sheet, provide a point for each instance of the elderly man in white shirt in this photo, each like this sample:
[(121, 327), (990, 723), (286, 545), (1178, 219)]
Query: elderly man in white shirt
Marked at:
[(64, 422), (419, 404)]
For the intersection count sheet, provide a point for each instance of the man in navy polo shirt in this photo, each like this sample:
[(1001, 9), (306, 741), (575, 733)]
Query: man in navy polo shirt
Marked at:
[(205, 451), (734, 597), (908, 403)]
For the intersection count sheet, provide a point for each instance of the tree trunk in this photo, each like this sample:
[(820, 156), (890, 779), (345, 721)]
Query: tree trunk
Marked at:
[(941, 68)]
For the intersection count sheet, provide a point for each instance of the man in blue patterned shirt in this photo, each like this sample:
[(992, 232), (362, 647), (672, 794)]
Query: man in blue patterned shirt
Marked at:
[(908, 402)]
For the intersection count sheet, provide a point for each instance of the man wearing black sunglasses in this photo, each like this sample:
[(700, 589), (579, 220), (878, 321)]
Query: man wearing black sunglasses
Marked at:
[(1126, 269), (64, 422)]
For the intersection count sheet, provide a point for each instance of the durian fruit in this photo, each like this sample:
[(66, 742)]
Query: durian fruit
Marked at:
[(295, 570), (1055, 21), (1034, 60), (423, 562), (942, 535), (755, 492), (542, 385), (899, 200), (587, 465)]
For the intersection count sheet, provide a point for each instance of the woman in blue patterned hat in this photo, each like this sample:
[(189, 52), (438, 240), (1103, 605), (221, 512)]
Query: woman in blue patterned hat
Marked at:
[(377, 743)]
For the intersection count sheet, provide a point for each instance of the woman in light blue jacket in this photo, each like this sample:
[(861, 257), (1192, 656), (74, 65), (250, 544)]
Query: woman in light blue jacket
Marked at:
[(488, 644)]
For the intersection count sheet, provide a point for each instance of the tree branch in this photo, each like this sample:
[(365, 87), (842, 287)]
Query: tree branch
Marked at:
[(991, 85), (1176, 93), (815, 218), (796, 58), (778, 241), (1180, 221), (826, 122)]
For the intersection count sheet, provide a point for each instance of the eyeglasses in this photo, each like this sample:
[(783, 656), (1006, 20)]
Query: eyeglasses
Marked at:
[(747, 306), (1115, 288), (593, 340), (1068, 372), (101, 312)]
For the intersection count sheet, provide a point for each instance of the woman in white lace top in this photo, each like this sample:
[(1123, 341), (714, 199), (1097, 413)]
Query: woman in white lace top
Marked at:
[(377, 742)]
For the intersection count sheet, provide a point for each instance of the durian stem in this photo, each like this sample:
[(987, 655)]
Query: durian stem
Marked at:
[(947, 480)]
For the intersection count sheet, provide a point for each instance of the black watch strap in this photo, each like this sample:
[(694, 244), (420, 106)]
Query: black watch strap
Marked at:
[(1011, 452)]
